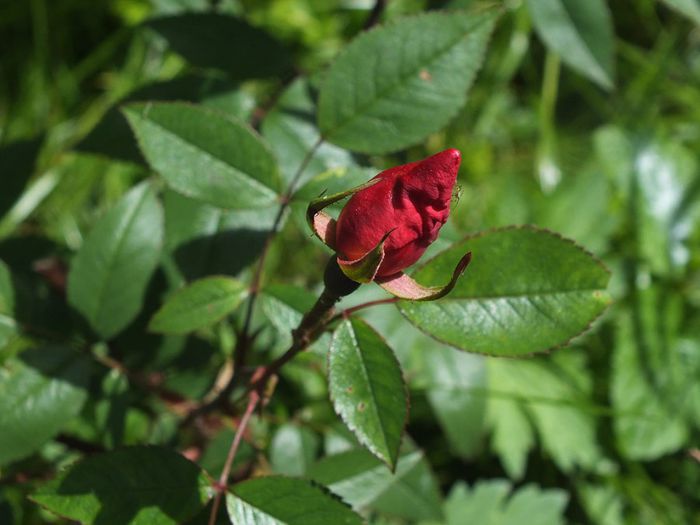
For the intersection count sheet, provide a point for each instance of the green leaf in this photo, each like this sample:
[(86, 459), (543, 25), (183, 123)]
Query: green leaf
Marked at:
[(526, 291), (293, 449), (486, 503), (367, 388), (277, 500), (581, 32), (109, 275), (203, 240), (113, 137), (362, 480), (290, 130), (550, 395), (198, 305), (223, 42), (7, 292), (395, 85), (40, 392), (690, 8), (647, 424), (206, 155), (135, 486), (456, 392)]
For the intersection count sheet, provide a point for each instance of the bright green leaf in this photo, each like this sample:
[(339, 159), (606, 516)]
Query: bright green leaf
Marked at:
[(198, 305), (526, 291), (135, 486), (367, 388), (206, 155), (293, 449), (7, 292), (646, 425), (395, 85), (485, 503), (456, 392), (581, 32), (362, 480), (40, 392), (277, 500), (109, 275)]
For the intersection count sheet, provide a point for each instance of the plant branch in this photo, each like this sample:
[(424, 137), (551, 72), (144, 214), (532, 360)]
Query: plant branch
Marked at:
[(375, 14), (222, 484), (257, 276)]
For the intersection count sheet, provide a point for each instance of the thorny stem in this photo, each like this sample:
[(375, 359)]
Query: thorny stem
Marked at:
[(309, 328), (222, 485)]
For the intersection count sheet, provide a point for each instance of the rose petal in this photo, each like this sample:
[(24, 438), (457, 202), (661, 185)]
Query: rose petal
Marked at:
[(404, 287), (323, 226)]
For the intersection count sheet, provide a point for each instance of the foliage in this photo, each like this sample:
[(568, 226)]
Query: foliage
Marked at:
[(168, 353)]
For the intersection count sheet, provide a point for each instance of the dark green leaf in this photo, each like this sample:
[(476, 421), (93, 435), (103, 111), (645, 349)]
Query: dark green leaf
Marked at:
[(206, 155), (129, 486), (39, 394), (205, 240), (108, 277), (393, 86), (690, 8), (359, 478), (223, 42), (113, 137), (286, 501), (18, 160), (198, 305), (367, 388), (526, 291), (581, 32)]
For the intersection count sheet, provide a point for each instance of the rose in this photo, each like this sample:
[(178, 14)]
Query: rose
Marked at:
[(410, 203), (389, 222)]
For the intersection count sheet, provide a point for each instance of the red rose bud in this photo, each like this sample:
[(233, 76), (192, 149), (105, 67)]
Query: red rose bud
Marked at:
[(410, 203), (389, 222)]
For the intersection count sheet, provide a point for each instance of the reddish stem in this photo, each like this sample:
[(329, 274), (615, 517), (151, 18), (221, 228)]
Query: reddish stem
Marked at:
[(354, 309), (222, 485)]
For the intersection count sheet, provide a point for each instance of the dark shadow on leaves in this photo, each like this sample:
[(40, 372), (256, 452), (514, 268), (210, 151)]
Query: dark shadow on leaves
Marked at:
[(224, 253)]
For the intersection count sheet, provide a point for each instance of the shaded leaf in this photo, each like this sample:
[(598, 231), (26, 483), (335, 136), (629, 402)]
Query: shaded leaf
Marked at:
[(526, 291), (581, 32), (393, 86), (18, 160), (40, 392), (198, 305), (206, 155), (367, 388), (134, 486), (109, 275), (113, 137), (278, 500), (290, 129)]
